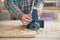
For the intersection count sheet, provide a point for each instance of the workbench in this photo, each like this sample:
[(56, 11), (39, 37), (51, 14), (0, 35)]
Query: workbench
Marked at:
[(51, 30)]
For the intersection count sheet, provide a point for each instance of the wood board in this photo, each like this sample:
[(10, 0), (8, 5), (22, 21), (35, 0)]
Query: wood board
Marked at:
[(15, 29), (18, 30), (21, 32)]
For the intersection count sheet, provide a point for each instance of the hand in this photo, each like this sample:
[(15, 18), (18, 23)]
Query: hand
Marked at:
[(26, 19)]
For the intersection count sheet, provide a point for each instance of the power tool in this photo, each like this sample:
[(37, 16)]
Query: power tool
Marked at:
[(37, 23)]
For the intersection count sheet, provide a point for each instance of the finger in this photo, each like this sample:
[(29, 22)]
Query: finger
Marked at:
[(27, 20), (24, 23), (39, 13), (28, 17)]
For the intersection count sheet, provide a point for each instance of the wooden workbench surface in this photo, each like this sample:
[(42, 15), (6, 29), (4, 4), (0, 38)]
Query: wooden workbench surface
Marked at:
[(16, 29)]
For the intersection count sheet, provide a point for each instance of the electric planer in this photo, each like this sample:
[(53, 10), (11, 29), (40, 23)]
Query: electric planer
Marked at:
[(36, 23)]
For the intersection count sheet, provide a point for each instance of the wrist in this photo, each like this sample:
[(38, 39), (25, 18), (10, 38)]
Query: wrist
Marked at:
[(20, 17)]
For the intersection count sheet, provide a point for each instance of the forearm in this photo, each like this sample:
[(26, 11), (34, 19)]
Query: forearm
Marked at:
[(13, 9)]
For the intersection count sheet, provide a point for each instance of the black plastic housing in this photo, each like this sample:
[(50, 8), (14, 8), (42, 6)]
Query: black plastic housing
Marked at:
[(36, 25)]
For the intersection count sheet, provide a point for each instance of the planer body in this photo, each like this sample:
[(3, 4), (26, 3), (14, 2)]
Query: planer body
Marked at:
[(36, 24)]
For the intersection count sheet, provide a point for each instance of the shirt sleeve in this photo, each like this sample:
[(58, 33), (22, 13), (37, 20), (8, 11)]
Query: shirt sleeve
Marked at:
[(12, 8)]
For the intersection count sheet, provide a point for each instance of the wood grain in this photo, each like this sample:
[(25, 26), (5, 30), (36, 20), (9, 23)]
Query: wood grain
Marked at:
[(17, 29)]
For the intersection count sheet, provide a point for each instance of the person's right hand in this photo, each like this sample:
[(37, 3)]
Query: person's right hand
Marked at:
[(26, 19)]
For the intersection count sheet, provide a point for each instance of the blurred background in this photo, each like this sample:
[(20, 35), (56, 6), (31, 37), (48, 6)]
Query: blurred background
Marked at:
[(51, 11)]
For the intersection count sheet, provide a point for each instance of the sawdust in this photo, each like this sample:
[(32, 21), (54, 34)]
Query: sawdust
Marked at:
[(18, 31)]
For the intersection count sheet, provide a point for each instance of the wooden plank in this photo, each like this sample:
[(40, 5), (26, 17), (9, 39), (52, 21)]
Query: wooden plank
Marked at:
[(18, 30), (14, 29), (18, 33)]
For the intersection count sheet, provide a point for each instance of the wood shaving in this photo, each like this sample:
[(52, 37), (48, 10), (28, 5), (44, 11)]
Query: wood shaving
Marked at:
[(17, 32)]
